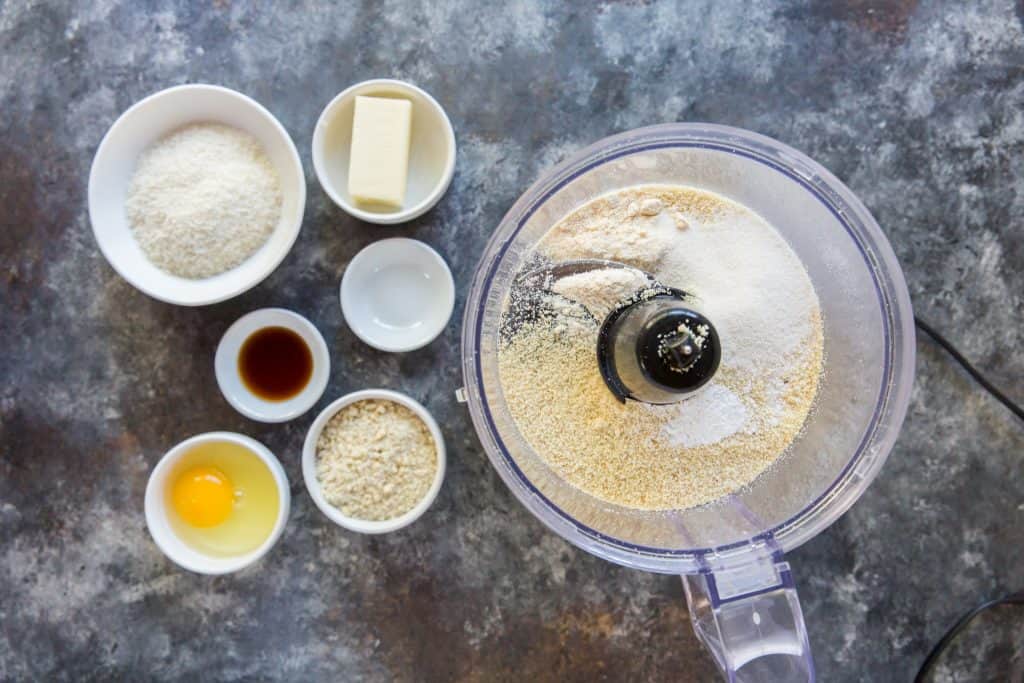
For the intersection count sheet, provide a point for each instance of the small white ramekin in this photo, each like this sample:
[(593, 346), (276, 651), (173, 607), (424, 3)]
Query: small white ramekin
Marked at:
[(431, 150), (238, 395), (397, 294), (156, 509), (309, 463)]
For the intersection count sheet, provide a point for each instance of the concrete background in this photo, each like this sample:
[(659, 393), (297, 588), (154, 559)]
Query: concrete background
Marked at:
[(917, 106)]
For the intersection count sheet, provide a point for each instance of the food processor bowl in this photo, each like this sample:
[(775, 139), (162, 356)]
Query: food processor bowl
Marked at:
[(730, 552)]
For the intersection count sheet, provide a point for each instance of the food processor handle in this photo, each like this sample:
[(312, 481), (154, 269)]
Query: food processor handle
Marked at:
[(750, 620)]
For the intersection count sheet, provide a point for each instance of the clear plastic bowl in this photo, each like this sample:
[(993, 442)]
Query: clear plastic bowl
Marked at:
[(862, 399)]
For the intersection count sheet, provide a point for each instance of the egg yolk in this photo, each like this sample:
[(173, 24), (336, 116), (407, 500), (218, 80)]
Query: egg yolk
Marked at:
[(203, 497)]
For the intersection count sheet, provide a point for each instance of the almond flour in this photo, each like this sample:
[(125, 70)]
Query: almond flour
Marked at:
[(751, 286), (375, 460)]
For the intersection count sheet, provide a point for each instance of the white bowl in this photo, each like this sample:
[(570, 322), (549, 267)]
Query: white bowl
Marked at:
[(156, 510), (313, 484), (397, 294), (146, 122), (431, 150), (230, 382)]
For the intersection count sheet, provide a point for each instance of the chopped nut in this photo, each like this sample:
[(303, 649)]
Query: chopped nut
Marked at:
[(375, 460)]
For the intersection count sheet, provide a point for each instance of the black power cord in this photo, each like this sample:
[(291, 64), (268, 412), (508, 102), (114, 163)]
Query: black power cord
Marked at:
[(960, 625), (1013, 598), (971, 370)]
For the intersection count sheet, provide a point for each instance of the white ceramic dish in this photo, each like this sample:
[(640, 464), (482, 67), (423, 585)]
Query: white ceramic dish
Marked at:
[(156, 509), (397, 294), (431, 153), (309, 463), (145, 123), (230, 382)]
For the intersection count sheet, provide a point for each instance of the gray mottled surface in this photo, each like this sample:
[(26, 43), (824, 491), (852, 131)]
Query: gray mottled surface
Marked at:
[(919, 107)]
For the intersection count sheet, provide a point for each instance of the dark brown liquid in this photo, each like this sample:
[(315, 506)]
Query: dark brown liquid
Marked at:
[(275, 363)]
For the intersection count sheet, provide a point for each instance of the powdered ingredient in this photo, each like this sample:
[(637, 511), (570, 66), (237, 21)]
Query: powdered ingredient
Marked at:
[(713, 414), (600, 291)]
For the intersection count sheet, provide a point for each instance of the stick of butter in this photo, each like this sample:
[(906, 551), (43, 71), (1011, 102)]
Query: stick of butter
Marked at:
[(379, 158)]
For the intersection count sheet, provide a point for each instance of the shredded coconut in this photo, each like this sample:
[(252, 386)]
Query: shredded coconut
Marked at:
[(203, 200), (375, 460)]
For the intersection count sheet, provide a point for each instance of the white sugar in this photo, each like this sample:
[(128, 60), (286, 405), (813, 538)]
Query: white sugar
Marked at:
[(706, 418)]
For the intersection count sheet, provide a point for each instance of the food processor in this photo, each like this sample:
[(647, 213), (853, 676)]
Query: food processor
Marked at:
[(730, 553)]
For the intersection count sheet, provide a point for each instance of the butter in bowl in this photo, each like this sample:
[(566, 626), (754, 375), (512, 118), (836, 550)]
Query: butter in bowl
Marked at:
[(384, 151)]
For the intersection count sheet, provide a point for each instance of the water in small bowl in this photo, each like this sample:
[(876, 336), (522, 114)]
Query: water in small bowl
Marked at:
[(397, 294)]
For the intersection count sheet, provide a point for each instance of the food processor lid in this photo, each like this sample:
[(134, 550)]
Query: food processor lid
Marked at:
[(888, 299)]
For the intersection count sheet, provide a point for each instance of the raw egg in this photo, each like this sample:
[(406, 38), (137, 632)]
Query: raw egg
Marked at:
[(203, 496), (222, 499)]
